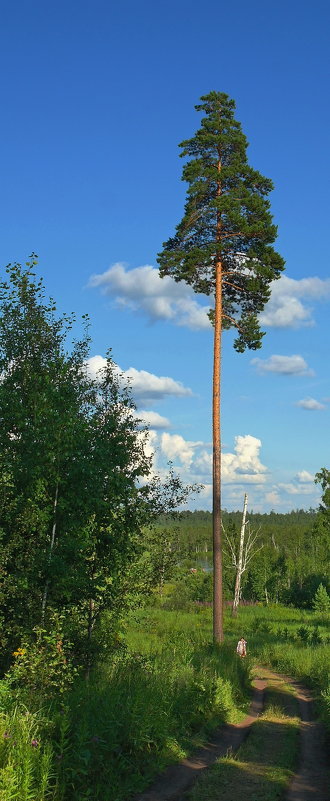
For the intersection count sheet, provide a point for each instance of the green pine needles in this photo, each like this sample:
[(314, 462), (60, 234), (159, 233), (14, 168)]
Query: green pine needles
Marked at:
[(223, 247), (227, 220)]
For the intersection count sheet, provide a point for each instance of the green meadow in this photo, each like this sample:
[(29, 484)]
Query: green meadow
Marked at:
[(159, 694)]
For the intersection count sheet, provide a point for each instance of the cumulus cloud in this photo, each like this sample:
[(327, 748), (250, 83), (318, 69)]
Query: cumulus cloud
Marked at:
[(141, 289), (176, 447), (273, 498), (292, 488), (148, 386), (283, 365), (285, 308), (94, 364), (310, 404), (145, 386), (242, 471), (150, 444), (243, 466), (153, 419), (304, 477)]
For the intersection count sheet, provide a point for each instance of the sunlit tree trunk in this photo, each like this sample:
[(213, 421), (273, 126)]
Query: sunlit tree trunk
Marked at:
[(240, 560), (217, 529)]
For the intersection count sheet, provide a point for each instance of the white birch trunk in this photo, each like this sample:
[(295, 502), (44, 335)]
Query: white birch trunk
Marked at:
[(240, 559)]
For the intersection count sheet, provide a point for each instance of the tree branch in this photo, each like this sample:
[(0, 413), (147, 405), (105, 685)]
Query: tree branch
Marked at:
[(239, 288)]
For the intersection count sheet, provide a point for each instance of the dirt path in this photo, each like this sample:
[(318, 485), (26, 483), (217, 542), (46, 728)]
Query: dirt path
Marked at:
[(310, 782)]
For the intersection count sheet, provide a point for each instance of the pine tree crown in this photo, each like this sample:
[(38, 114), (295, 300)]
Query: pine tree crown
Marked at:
[(227, 222)]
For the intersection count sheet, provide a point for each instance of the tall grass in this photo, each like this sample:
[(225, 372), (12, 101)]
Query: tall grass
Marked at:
[(26, 756), (148, 704), (142, 712), (139, 712), (292, 641)]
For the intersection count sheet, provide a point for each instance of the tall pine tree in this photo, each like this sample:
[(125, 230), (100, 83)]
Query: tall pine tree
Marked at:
[(222, 247)]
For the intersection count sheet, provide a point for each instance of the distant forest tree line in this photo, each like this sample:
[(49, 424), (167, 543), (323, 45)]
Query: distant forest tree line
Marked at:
[(293, 553)]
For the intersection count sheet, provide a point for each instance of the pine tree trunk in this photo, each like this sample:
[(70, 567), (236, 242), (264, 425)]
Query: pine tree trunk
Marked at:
[(240, 561), (217, 530)]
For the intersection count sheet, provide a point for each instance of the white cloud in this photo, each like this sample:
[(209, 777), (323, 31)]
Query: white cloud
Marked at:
[(94, 364), (148, 386), (273, 498), (142, 289), (310, 404), (241, 467), (150, 444), (284, 365), (304, 477), (203, 463), (285, 308), (291, 488), (242, 471), (244, 465), (145, 386), (153, 419), (174, 446)]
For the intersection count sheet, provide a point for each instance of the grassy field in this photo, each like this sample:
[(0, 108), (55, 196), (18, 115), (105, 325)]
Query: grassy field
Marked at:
[(294, 641), (163, 689)]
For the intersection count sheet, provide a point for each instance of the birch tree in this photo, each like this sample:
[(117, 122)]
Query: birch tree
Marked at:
[(241, 557), (223, 248)]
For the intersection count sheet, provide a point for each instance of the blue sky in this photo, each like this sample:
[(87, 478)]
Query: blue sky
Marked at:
[(95, 98)]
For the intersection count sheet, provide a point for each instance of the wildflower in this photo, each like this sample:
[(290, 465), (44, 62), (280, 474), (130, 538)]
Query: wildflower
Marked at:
[(34, 743), (19, 652), (6, 735)]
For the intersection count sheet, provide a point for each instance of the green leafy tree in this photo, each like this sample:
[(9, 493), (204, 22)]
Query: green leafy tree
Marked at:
[(321, 600), (44, 427), (322, 522), (75, 487), (222, 247)]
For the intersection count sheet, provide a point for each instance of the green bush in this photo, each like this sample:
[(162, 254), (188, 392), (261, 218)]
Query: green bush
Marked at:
[(321, 600)]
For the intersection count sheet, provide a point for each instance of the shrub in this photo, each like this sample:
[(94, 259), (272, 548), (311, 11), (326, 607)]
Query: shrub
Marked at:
[(321, 600), (41, 671)]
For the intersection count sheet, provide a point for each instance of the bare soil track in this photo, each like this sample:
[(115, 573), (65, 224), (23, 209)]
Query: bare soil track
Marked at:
[(311, 781)]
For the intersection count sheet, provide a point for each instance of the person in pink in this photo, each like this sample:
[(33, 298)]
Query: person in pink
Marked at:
[(241, 647)]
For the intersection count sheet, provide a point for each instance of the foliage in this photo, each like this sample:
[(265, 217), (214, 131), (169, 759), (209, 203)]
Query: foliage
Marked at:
[(26, 756), (75, 490), (226, 219), (149, 699), (289, 568), (140, 710), (42, 671), (189, 585), (321, 600)]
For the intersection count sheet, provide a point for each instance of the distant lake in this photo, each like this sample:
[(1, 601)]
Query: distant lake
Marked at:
[(205, 563)]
